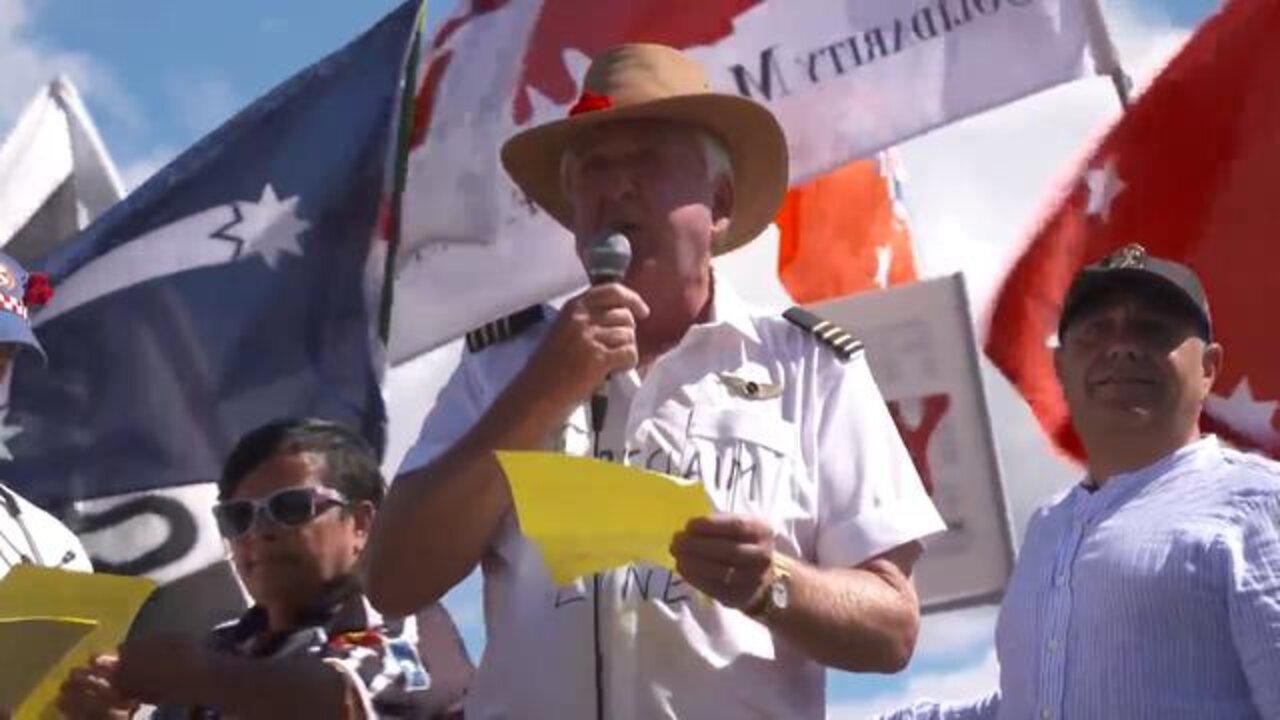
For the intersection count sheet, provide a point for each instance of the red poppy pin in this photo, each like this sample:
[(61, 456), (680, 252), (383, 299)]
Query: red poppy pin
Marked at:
[(590, 102)]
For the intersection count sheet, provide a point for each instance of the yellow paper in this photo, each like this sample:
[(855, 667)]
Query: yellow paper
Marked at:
[(109, 600), (587, 515), (30, 649)]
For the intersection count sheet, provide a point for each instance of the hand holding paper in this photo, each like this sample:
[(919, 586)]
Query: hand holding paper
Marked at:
[(587, 515), (30, 649), (108, 602)]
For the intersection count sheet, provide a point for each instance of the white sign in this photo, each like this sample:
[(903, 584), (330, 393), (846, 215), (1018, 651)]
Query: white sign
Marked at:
[(921, 347)]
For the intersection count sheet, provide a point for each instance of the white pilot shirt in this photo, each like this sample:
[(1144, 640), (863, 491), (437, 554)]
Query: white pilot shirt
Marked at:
[(34, 536), (821, 460)]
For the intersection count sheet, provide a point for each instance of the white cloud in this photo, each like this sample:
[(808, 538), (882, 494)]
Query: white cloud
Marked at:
[(967, 683), (29, 63)]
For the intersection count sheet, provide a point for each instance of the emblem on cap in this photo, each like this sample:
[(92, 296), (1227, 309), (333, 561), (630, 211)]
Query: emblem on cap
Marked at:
[(1132, 255), (7, 281)]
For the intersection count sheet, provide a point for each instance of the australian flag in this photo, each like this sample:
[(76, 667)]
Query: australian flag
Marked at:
[(228, 291)]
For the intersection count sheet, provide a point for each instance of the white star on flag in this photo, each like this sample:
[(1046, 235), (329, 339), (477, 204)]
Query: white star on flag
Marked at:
[(1104, 185), (269, 227), (7, 433), (1245, 413)]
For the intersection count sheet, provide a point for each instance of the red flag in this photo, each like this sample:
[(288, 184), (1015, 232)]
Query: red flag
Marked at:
[(1191, 172), (844, 232)]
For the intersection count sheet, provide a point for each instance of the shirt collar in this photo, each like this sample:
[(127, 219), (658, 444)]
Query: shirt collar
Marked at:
[(728, 309), (1124, 485), (340, 606)]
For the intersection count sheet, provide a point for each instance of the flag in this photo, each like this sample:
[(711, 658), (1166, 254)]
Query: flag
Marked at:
[(845, 79), (845, 232), (228, 291), (1190, 172), (55, 174)]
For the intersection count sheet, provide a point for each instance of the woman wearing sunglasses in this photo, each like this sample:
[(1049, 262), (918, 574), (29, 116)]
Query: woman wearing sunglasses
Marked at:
[(297, 500)]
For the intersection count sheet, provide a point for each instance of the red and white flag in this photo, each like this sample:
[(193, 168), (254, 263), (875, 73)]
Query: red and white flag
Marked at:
[(1191, 172), (845, 78)]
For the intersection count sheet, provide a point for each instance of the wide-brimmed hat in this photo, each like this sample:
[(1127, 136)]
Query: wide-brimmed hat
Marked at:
[(655, 82)]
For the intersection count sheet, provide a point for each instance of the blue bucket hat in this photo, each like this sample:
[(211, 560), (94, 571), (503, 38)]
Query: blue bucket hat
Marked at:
[(20, 293)]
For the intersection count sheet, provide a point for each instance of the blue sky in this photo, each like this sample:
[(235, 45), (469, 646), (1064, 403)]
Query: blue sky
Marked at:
[(159, 74)]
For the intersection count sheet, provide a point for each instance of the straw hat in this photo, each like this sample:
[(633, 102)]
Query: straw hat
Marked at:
[(655, 82)]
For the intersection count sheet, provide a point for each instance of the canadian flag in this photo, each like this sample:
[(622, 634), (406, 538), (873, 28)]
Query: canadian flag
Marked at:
[(1191, 172)]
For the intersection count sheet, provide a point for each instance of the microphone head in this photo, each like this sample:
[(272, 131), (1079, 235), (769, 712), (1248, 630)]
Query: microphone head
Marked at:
[(607, 258)]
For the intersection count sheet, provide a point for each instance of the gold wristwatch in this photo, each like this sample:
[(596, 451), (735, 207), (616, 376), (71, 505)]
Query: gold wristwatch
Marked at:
[(777, 592)]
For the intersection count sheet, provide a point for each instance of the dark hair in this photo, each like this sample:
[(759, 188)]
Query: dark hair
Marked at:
[(351, 467)]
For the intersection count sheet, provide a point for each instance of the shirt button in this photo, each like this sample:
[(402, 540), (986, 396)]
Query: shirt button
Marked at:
[(1053, 644), (1059, 579), (1044, 713)]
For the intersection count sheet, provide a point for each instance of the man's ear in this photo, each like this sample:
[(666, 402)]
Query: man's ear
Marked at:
[(1211, 366), (362, 518)]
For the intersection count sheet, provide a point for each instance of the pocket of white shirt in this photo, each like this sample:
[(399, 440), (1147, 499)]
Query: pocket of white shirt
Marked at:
[(746, 458)]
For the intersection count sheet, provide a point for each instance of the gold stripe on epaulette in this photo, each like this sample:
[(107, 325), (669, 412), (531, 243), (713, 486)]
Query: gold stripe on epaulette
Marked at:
[(841, 341)]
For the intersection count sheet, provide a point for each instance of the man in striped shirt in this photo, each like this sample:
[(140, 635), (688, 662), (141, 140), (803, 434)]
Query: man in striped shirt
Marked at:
[(1152, 588)]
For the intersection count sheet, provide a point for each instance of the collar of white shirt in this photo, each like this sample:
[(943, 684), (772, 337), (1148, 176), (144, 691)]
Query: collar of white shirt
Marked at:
[(728, 309)]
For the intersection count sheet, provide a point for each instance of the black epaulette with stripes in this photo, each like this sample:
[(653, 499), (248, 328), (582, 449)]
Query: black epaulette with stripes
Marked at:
[(503, 329), (833, 336)]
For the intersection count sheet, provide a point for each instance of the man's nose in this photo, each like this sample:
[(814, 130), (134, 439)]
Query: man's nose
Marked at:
[(1123, 348), (618, 183)]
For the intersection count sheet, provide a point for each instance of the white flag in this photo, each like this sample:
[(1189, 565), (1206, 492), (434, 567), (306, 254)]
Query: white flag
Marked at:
[(55, 174), (844, 78)]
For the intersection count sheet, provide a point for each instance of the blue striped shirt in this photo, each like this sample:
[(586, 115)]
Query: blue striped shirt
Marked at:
[(1155, 596)]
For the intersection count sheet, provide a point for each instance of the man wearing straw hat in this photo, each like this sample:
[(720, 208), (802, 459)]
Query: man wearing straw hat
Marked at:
[(806, 562)]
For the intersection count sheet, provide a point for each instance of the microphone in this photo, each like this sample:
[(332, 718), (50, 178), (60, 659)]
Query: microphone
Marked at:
[(607, 258)]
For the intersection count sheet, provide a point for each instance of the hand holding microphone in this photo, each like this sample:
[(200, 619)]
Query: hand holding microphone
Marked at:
[(595, 333), (607, 260)]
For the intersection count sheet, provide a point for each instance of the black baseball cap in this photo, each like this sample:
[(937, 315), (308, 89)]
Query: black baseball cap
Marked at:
[(1170, 283)]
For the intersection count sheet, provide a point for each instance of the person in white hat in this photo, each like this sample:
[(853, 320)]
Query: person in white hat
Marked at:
[(28, 534), (806, 562)]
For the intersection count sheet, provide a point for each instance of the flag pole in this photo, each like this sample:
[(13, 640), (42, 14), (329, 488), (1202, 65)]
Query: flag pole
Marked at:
[(1106, 60), (408, 98)]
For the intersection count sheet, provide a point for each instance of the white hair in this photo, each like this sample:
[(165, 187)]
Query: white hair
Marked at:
[(714, 156)]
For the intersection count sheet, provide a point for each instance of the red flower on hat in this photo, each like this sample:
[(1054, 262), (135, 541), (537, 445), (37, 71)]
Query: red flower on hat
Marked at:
[(590, 102), (38, 291)]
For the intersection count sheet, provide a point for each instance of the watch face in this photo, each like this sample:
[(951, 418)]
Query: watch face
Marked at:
[(778, 595)]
